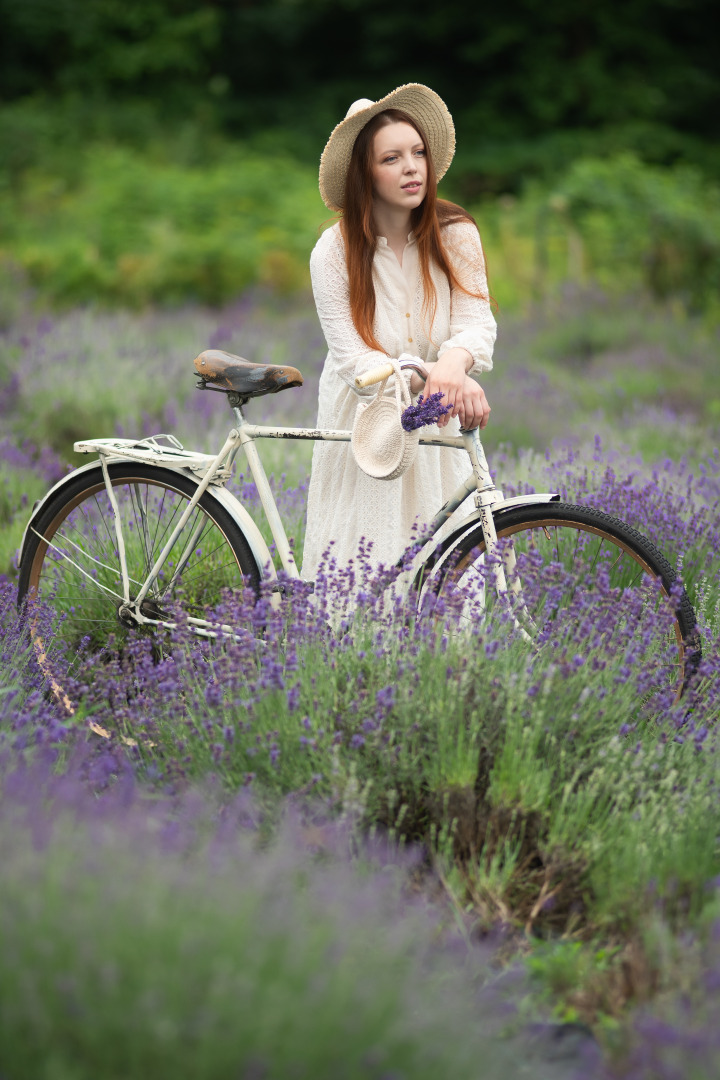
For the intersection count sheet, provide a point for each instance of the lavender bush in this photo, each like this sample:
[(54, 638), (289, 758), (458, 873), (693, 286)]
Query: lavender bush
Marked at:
[(162, 938), (287, 705), (532, 802), (678, 1036), (672, 502), (580, 364), (126, 373), (537, 790), (26, 473), (28, 719)]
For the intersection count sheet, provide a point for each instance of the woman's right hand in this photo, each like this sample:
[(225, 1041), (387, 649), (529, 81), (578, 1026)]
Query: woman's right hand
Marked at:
[(447, 376)]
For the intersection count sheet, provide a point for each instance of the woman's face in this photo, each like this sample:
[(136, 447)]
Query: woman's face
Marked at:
[(399, 166)]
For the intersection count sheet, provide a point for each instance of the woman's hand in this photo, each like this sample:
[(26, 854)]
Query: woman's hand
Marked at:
[(448, 376)]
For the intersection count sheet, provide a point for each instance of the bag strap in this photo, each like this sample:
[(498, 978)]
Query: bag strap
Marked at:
[(402, 392)]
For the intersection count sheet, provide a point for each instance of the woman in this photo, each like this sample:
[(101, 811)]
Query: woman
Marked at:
[(400, 275)]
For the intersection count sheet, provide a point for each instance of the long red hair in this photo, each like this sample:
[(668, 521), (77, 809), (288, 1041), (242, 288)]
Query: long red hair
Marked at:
[(358, 229)]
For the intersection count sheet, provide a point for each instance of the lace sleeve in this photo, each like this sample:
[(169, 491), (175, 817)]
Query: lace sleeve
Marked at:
[(472, 326), (348, 352)]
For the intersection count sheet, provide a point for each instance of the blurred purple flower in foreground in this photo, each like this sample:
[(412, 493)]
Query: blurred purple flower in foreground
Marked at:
[(224, 956)]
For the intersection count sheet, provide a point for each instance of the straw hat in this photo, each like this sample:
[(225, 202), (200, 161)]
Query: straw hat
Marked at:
[(419, 102)]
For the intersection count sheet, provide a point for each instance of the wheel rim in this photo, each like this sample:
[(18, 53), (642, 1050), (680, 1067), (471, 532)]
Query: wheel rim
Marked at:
[(583, 588), (76, 567)]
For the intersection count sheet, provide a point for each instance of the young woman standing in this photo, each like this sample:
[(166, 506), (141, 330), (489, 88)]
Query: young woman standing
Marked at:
[(400, 275)]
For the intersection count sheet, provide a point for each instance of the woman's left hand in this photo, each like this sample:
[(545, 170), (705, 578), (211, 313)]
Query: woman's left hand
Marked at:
[(448, 377)]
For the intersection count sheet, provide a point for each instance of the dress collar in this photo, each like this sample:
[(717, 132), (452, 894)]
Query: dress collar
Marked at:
[(382, 240)]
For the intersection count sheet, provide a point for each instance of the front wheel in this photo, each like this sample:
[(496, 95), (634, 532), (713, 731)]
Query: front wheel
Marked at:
[(71, 564), (581, 583)]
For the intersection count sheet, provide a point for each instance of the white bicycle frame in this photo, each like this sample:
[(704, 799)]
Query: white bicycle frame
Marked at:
[(209, 471), (213, 471)]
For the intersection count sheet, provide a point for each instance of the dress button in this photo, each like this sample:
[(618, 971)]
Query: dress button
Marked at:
[(409, 339), (407, 315)]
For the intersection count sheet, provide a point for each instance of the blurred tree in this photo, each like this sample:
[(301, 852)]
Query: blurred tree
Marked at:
[(99, 45), (531, 83)]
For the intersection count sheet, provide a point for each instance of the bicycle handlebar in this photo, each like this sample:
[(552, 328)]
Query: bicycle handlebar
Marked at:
[(384, 371), (375, 375)]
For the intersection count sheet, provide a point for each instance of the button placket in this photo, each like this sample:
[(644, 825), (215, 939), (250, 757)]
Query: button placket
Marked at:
[(410, 273)]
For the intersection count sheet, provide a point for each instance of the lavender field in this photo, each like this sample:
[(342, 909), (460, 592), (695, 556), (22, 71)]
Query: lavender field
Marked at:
[(383, 851)]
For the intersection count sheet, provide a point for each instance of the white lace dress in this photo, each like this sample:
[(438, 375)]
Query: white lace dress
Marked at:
[(344, 504)]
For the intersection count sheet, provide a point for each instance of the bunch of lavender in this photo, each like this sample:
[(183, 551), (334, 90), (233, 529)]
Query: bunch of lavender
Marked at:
[(426, 411)]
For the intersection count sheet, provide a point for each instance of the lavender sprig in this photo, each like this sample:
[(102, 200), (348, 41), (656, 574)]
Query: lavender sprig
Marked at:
[(427, 411)]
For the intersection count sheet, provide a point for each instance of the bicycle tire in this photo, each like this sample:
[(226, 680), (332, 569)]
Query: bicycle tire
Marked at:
[(571, 558), (70, 561)]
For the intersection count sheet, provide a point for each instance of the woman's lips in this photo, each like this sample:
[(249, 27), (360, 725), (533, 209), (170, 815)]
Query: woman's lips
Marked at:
[(411, 187)]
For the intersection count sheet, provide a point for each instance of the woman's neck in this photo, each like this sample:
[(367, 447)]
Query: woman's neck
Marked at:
[(393, 224)]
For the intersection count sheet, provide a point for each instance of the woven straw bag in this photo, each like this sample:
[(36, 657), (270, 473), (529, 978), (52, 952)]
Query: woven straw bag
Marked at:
[(382, 448)]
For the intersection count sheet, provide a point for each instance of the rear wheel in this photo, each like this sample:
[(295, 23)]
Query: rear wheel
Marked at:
[(71, 561), (581, 582)]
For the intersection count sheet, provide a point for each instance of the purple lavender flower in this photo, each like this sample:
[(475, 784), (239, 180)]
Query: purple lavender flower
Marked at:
[(385, 698), (427, 411)]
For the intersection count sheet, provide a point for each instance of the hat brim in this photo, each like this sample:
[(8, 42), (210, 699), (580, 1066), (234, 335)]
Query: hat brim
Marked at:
[(419, 102)]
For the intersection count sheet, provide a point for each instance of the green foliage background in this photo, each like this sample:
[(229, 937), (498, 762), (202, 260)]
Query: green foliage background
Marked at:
[(164, 150), (641, 73)]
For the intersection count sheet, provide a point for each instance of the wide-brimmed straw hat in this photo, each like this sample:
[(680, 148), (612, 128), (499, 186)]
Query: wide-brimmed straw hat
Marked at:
[(419, 102)]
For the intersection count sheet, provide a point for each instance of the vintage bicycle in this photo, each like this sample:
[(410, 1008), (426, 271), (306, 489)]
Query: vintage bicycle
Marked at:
[(149, 528)]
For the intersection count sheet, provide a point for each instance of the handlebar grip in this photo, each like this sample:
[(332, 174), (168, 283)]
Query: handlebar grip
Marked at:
[(376, 375)]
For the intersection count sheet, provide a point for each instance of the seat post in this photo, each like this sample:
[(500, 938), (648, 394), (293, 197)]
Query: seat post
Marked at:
[(257, 470)]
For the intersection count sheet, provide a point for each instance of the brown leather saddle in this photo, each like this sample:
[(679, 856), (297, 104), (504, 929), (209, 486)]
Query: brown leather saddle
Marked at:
[(222, 371)]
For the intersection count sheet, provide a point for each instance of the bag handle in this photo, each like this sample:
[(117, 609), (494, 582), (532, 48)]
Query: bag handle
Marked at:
[(402, 393)]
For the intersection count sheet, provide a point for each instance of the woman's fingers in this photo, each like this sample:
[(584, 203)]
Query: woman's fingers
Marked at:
[(449, 397), (475, 410), (452, 395), (447, 377)]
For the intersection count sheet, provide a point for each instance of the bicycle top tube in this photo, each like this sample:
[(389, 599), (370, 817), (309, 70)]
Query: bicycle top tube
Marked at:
[(267, 431)]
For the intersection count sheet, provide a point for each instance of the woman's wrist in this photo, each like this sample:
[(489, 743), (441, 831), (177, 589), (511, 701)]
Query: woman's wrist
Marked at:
[(458, 356), (417, 384)]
